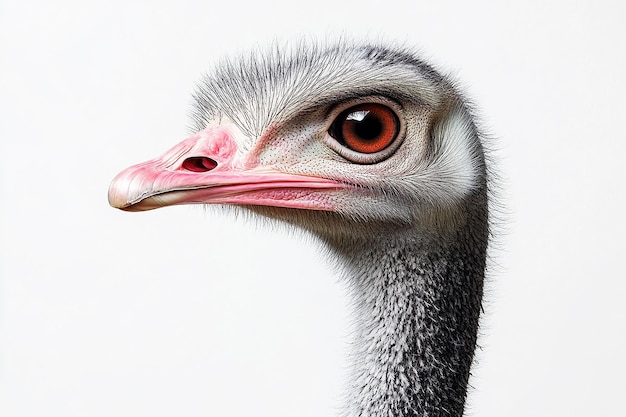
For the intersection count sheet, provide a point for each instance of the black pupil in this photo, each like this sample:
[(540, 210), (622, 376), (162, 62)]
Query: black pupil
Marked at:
[(367, 129)]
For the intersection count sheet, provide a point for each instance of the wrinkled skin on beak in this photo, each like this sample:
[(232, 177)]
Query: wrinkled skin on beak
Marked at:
[(208, 168)]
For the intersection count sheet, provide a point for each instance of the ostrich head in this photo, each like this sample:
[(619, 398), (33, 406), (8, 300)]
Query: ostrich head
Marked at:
[(348, 135), (372, 150)]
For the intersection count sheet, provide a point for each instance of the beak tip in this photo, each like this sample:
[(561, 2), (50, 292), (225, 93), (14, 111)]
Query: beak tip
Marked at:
[(115, 201), (118, 194), (126, 188)]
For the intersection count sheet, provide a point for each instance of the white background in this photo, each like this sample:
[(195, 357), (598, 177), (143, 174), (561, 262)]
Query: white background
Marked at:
[(180, 312)]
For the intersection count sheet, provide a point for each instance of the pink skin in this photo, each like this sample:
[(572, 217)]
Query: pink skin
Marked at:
[(204, 169)]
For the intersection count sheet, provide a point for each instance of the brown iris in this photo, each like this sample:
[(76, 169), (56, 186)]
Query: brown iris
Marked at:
[(366, 128)]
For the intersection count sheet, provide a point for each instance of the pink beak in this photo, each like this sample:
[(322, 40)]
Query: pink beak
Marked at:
[(202, 170)]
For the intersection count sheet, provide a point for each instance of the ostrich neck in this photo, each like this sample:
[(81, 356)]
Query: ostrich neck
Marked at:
[(417, 307)]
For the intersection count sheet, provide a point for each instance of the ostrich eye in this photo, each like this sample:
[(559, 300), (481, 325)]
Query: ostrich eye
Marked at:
[(366, 128)]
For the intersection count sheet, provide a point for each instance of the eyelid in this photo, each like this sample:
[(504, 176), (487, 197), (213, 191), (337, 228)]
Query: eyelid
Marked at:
[(335, 109)]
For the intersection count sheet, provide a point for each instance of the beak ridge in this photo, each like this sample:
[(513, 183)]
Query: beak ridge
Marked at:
[(202, 170)]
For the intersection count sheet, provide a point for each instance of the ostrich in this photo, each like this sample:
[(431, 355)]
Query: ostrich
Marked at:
[(371, 150)]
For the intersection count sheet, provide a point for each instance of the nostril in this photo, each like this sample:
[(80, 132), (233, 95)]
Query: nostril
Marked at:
[(199, 164)]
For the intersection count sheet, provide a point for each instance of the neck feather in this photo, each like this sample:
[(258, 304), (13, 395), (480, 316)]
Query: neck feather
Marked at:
[(417, 307)]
